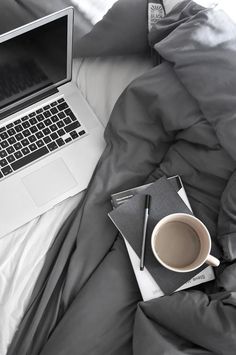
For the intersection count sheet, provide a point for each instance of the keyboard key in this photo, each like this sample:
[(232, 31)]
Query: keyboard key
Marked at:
[(33, 129), (25, 150), (19, 136), (54, 110), (53, 104), (4, 144), (60, 142), (26, 124), (10, 150), (11, 131), (39, 110), (54, 136), (61, 132), (47, 139), (26, 133), (52, 146), (32, 147), (61, 115), (33, 121), (4, 135), (61, 100), (72, 126), (9, 125), (70, 113), (73, 118), (74, 135), (40, 143), (67, 120), (48, 122), (17, 122), (12, 140), (53, 128), (81, 133), (67, 140), (29, 158), (32, 114), (19, 128), (1, 175), (62, 106), (11, 158), (47, 114), (40, 117), (32, 139), (25, 142), (40, 125), (3, 153), (54, 118), (17, 146), (6, 170), (3, 162), (46, 107), (60, 124), (2, 129), (18, 155), (39, 135), (46, 131), (25, 118)]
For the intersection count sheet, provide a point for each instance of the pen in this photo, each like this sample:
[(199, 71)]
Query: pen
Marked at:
[(146, 214)]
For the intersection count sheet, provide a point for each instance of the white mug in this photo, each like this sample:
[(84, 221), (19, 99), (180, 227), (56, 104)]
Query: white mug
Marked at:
[(182, 243)]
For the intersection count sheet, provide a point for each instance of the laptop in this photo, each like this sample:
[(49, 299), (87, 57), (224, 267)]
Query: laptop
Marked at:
[(50, 140)]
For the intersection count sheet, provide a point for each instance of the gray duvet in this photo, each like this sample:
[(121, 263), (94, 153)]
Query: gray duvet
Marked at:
[(178, 118)]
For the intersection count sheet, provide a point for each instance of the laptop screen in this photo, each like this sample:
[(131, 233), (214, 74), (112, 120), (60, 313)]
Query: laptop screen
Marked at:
[(33, 61)]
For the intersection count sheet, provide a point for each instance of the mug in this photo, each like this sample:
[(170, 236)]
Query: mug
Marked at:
[(182, 243)]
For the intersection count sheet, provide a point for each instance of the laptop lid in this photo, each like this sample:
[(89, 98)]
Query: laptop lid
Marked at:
[(34, 59)]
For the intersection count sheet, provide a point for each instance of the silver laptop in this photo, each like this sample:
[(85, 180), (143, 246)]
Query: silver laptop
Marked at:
[(50, 140)]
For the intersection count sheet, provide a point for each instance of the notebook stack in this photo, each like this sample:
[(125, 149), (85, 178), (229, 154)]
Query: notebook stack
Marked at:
[(168, 196)]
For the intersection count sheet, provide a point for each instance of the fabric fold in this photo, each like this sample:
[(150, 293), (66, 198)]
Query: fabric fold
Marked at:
[(178, 118)]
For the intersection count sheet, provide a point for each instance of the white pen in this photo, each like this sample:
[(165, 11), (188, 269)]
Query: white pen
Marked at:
[(145, 223)]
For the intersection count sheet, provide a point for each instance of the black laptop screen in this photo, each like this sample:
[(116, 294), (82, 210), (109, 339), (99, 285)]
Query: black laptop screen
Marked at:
[(33, 61)]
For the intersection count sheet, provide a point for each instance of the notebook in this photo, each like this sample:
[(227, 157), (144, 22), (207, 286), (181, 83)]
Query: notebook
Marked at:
[(168, 196)]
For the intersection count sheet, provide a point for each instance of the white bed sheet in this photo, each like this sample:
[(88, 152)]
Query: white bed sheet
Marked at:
[(22, 252)]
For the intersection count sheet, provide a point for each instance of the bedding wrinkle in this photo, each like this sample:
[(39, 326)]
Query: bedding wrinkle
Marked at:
[(110, 277), (88, 270), (22, 255), (196, 75), (201, 312), (201, 134)]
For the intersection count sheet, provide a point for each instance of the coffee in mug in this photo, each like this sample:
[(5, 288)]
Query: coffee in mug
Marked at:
[(182, 243)]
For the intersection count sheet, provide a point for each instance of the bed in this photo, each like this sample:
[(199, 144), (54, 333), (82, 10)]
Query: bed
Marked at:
[(67, 287), (23, 252)]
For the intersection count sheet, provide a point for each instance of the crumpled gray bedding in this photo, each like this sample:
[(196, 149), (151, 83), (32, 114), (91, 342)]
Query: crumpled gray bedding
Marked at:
[(178, 118)]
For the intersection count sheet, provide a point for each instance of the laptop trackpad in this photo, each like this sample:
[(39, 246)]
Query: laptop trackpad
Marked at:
[(49, 182)]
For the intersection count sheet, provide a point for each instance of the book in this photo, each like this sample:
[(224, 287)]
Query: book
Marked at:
[(148, 284), (119, 198)]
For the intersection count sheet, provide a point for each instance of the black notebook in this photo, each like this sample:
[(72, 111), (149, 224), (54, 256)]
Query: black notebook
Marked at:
[(128, 219)]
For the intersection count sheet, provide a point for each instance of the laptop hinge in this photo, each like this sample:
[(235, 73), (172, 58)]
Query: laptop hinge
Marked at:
[(27, 103)]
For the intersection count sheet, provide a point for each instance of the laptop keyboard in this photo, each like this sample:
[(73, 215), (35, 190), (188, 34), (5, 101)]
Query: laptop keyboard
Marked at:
[(36, 135)]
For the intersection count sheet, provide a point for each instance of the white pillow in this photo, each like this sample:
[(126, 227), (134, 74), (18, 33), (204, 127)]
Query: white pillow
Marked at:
[(102, 80), (169, 4)]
